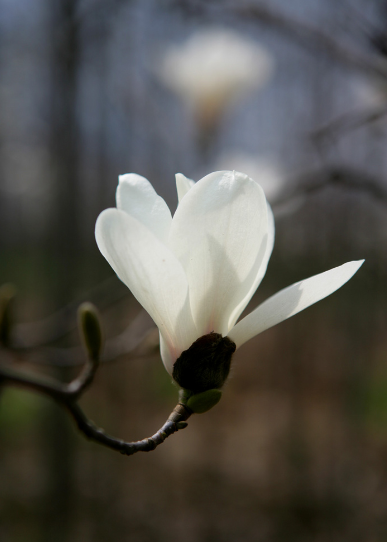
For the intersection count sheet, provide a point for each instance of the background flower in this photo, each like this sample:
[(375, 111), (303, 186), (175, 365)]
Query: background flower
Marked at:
[(214, 67)]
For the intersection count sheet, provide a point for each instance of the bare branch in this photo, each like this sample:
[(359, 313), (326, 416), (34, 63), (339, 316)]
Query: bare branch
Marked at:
[(57, 325), (137, 340), (67, 395), (175, 422), (312, 36), (341, 177), (347, 122), (83, 381), (47, 386), (297, 30)]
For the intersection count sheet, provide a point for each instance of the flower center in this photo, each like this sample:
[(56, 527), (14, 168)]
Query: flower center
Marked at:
[(206, 364)]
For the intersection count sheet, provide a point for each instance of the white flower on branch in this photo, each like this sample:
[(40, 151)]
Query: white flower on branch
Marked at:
[(213, 68), (196, 272)]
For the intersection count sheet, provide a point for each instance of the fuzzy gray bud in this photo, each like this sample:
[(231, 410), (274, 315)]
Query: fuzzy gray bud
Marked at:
[(90, 329)]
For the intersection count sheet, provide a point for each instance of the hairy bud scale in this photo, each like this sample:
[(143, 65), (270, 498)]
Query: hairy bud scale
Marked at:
[(205, 364)]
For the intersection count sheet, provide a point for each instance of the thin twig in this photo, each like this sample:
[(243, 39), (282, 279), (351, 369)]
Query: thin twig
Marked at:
[(175, 422), (295, 29), (57, 325), (347, 122), (140, 334), (335, 176), (68, 394)]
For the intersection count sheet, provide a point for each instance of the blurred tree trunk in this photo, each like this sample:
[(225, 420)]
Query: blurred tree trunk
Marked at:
[(64, 152), (102, 144), (65, 134), (3, 206)]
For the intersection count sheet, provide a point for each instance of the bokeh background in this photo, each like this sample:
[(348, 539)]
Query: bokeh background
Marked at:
[(293, 94)]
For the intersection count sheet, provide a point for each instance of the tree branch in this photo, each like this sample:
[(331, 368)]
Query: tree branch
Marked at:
[(68, 394), (347, 122), (175, 422), (57, 325), (295, 29), (342, 177), (312, 35)]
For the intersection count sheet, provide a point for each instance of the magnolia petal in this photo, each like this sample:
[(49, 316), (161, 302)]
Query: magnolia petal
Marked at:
[(261, 271), (292, 300), (219, 234), (136, 196), (166, 355), (183, 185), (151, 272)]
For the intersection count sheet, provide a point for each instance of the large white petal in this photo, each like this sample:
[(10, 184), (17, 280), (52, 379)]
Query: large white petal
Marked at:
[(261, 271), (292, 300), (183, 185), (151, 272), (136, 196), (219, 233), (166, 355)]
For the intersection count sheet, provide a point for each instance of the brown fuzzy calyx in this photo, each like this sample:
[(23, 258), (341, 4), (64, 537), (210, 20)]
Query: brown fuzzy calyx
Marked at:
[(205, 364)]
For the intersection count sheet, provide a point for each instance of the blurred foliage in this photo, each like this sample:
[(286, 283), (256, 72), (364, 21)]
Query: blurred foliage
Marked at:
[(19, 415)]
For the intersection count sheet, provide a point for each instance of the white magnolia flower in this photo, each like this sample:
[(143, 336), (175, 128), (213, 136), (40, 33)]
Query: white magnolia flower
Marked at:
[(213, 67), (196, 272)]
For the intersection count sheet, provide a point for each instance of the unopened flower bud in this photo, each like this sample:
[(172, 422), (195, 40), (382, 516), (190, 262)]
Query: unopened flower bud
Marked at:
[(201, 402), (90, 329)]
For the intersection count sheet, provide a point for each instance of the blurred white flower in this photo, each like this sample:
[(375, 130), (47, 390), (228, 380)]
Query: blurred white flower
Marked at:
[(214, 67), (263, 170), (370, 93), (196, 272)]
